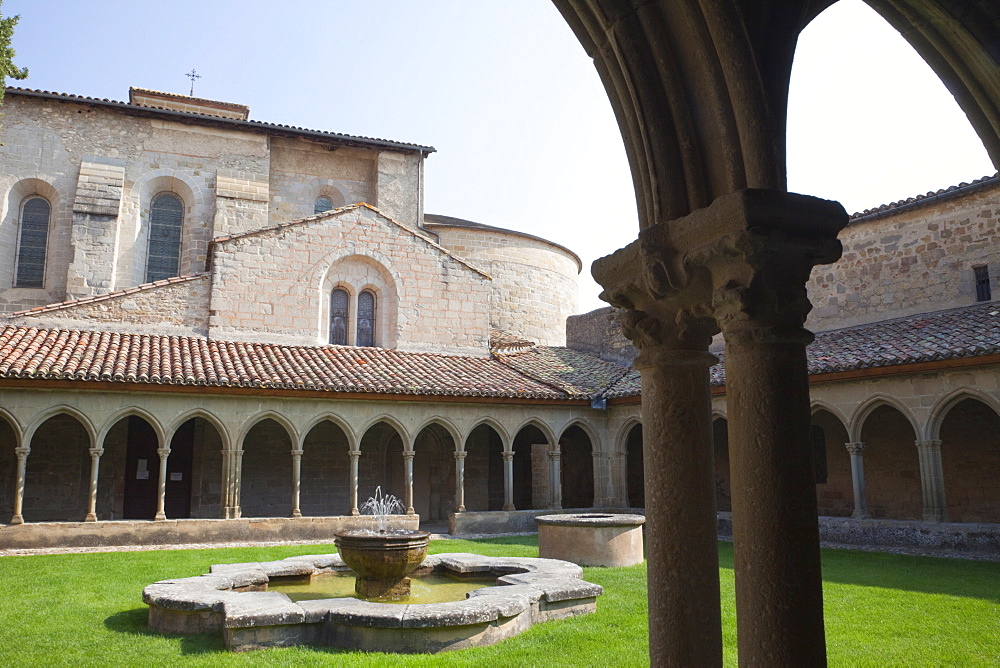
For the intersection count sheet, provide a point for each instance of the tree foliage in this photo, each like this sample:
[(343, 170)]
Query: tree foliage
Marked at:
[(7, 67)]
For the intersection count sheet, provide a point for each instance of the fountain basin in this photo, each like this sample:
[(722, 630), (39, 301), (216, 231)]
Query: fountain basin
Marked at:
[(233, 599), (382, 560)]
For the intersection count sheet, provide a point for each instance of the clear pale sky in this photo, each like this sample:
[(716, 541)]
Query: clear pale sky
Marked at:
[(525, 135)]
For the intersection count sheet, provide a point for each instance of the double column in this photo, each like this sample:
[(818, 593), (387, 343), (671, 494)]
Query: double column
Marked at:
[(932, 481), (739, 265), (857, 452)]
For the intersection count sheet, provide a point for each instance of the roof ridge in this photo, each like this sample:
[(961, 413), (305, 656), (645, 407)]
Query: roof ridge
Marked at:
[(142, 287), (348, 207), (931, 195)]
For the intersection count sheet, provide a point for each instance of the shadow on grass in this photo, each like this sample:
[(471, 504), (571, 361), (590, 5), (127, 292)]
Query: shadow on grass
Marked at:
[(928, 575), (134, 622)]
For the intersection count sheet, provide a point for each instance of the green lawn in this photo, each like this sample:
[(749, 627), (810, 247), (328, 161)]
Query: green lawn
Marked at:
[(881, 609)]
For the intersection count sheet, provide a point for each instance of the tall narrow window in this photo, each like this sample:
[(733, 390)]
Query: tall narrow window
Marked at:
[(819, 454), (34, 235), (366, 318), (339, 304), (166, 217), (322, 204), (983, 292)]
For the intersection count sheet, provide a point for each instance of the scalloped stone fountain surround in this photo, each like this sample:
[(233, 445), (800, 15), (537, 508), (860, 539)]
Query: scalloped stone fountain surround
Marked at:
[(233, 599)]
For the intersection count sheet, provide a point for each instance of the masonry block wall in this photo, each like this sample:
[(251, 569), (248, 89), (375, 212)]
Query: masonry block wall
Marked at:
[(534, 286), (911, 259)]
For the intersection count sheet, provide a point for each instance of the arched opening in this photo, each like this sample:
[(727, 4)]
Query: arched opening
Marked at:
[(381, 463), (194, 471), (266, 475), (8, 469), (57, 475), (832, 464), (129, 475), (531, 467), (324, 481), (166, 223), (720, 441), (634, 471), (892, 466), (484, 469), (433, 473), (577, 468), (970, 459), (32, 243)]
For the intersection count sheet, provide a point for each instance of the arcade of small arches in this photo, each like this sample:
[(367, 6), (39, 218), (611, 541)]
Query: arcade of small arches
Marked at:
[(141, 464)]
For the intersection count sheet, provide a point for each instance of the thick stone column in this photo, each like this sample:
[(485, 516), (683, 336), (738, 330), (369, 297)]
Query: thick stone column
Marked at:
[(460, 481), (508, 481), (555, 478), (161, 490), (932, 481), (759, 276), (22, 465), (355, 455), (296, 481), (408, 459), (95, 465), (227, 484), (857, 451)]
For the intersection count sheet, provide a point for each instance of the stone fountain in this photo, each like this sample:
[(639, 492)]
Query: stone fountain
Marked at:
[(382, 558)]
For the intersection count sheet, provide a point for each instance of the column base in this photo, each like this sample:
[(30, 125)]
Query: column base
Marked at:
[(410, 511), (355, 513), (16, 519), (860, 515), (91, 517), (508, 507), (296, 513), (160, 517)]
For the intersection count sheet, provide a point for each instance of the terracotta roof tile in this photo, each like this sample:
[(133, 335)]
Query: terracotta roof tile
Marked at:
[(576, 373), (950, 191), (110, 295)]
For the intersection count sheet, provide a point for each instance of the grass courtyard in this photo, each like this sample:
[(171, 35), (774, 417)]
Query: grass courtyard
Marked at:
[(881, 610)]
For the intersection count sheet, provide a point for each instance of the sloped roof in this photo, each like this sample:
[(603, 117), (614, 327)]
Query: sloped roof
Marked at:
[(932, 196), (57, 306), (541, 372), (206, 119)]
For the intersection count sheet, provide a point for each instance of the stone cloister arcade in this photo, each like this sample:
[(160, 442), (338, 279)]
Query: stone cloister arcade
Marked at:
[(82, 456)]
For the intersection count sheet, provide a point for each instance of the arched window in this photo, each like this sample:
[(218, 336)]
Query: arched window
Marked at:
[(33, 238), (166, 217), (339, 316), (366, 319), (323, 203)]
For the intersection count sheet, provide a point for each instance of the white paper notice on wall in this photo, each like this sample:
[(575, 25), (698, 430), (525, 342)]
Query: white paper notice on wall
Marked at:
[(176, 476), (142, 470), (142, 475)]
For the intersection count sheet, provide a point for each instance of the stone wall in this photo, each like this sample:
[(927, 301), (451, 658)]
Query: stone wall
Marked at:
[(912, 259), (599, 332), (275, 285), (534, 285), (302, 171)]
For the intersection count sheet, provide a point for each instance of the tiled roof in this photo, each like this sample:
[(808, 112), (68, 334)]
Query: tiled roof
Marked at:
[(540, 372), (110, 295), (950, 191), (27, 352), (260, 125), (575, 373)]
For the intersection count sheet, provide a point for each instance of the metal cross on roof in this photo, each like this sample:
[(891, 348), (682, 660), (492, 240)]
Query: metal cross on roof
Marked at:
[(192, 75)]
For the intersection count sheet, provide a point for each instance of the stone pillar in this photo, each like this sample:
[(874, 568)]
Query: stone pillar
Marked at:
[(760, 301), (227, 484), (237, 482), (555, 478), (932, 481), (22, 464), (858, 480), (460, 481), (95, 465), (161, 490), (508, 481), (296, 481), (355, 455), (621, 476), (408, 459), (740, 264), (600, 499)]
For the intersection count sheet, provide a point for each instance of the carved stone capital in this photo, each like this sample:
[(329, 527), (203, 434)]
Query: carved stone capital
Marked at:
[(460, 455), (508, 456), (163, 452), (354, 454), (297, 454), (96, 452), (554, 455), (930, 444), (855, 448), (22, 452)]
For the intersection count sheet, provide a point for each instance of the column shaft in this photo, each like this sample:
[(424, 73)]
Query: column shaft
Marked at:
[(460, 481), (779, 594), (355, 455), (556, 480), (161, 490), (95, 465), (858, 480), (296, 482), (227, 484), (408, 457), (683, 579), (932, 481), (237, 482), (22, 465), (508, 481)]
